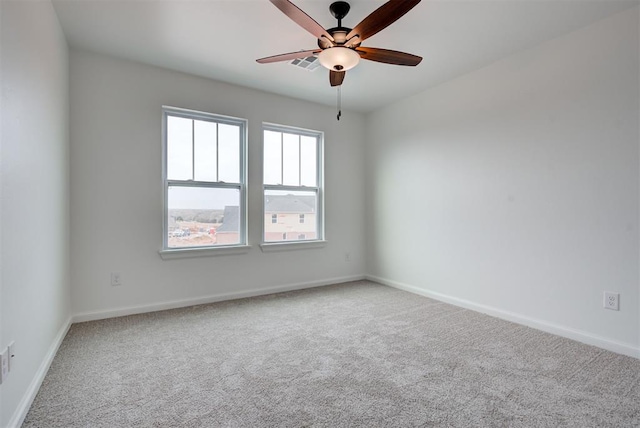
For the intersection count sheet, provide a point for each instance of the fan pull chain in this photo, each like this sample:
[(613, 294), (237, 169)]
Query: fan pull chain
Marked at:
[(339, 102)]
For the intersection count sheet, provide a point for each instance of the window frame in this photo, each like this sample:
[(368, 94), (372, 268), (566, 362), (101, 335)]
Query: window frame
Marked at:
[(319, 189), (205, 250)]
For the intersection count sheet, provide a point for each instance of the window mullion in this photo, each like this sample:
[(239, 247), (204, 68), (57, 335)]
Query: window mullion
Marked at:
[(193, 150), (208, 184), (319, 185), (217, 152), (299, 160), (291, 188)]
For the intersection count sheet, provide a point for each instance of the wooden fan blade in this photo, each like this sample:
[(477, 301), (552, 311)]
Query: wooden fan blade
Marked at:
[(388, 56), (302, 19), (288, 56), (336, 77), (381, 18)]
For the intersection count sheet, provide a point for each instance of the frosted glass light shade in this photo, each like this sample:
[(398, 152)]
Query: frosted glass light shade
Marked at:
[(339, 58)]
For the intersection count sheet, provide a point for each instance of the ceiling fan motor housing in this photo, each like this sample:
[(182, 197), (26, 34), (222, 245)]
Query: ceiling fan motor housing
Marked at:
[(339, 35)]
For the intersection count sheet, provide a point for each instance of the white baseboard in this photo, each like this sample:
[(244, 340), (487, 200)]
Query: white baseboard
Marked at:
[(27, 399), (570, 333), (132, 310)]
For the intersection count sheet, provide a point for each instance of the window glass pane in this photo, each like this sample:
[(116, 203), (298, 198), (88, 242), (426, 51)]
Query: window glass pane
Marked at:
[(205, 151), (291, 159), (201, 216), (308, 161), (272, 157), (228, 153), (179, 148), (289, 206)]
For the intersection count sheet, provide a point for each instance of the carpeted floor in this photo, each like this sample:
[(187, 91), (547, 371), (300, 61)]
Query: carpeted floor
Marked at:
[(356, 354)]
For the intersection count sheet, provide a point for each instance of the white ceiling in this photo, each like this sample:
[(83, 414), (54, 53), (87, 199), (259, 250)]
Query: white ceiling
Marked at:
[(222, 39)]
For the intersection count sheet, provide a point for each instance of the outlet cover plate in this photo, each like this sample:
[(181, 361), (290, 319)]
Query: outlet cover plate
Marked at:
[(612, 300), (116, 279), (12, 354)]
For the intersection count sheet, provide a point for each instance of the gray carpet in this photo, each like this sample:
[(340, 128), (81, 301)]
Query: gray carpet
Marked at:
[(356, 354)]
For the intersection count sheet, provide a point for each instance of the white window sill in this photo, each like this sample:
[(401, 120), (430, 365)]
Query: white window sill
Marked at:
[(183, 253), (268, 247)]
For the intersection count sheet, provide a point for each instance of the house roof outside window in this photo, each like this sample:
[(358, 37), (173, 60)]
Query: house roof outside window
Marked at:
[(230, 223), (300, 204)]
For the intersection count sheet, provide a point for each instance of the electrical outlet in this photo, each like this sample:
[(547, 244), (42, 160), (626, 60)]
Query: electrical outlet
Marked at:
[(4, 365), (612, 300), (12, 354), (116, 279)]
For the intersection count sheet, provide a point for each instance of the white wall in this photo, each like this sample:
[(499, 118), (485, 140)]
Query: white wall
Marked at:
[(515, 188), (34, 210), (116, 189)]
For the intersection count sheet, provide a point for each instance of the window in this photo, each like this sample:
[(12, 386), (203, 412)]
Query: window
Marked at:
[(204, 173), (292, 184)]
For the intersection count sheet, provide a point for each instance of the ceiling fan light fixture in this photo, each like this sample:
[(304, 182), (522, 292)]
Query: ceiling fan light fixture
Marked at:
[(339, 58)]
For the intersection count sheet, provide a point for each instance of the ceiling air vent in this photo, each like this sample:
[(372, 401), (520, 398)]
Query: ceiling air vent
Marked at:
[(309, 63)]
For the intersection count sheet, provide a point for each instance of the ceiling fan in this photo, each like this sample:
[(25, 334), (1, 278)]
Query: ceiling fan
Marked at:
[(339, 47)]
